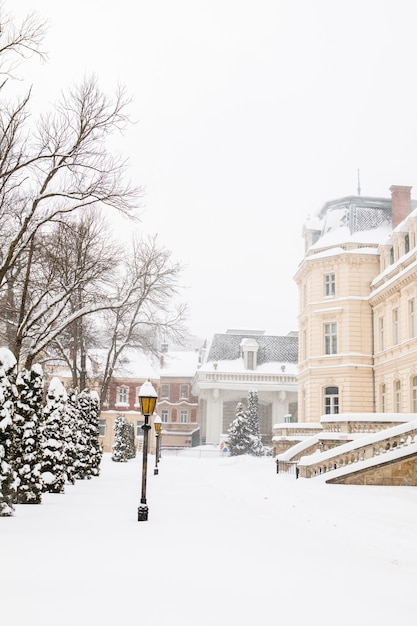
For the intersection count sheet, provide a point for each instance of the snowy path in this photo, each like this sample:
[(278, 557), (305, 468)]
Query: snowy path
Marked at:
[(227, 542)]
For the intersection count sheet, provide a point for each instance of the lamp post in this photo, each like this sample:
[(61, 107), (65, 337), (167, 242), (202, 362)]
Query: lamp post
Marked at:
[(157, 424), (147, 401)]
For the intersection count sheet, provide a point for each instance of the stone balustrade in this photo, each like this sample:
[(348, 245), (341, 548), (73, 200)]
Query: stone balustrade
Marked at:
[(369, 446)]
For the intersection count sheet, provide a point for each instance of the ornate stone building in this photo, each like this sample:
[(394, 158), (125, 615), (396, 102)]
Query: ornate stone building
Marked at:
[(236, 362), (357, 307)]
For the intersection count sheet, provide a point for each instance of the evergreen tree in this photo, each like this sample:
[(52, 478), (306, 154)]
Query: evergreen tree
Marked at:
[(96, 451), (257, 448), (7, 398), (129, 434), (27, 431), (53, 444), (239, 434), (83, 462), (70, 435), (120, 443)]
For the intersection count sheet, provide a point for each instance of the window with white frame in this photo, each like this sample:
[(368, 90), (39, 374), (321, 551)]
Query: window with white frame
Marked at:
[(122, 395), (331, 400), (184, 392), (102, 428), (329, 285), (395, 328), (397, 396), (164, 416), (414, 398), (165, 392), (330, 338), (139, 429), (184, 417), (381, 333), (412, 317), (383, 398)]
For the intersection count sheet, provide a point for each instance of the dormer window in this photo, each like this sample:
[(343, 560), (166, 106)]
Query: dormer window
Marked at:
[(249, 350)]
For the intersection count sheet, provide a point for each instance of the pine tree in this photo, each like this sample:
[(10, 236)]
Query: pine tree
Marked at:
[(96, 451), (53, 445), (83, 462), (120, 443), (7, 398), (129, 434), (257, 448), (28, 420), (239, 434), (70, 435)]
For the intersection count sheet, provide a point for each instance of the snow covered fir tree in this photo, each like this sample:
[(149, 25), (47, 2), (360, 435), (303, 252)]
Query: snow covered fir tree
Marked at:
[(253, 419), (124, 440), (27, 424), (239, 435), (243, 433), (7, 398), (53, 464)]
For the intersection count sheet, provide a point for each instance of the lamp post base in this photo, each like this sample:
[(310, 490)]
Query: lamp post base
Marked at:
[(155, 471), (142, 513)]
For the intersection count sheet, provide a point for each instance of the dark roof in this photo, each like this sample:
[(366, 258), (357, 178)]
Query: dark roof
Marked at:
[(272, 348)]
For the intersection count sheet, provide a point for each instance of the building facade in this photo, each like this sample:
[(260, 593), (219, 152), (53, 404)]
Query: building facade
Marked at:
[(357, 307), (235, 363), (172, 379)]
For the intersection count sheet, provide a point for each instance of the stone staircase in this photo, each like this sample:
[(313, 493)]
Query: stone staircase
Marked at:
[(379, 449)]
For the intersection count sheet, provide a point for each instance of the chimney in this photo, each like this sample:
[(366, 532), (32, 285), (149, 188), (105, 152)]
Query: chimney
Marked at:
[(400, 203)]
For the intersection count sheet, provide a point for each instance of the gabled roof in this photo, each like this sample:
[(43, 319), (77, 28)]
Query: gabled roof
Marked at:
[(272, 348)]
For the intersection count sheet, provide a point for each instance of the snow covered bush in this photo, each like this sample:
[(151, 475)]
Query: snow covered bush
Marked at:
[(7, 398), (27, 422), (53, 448)]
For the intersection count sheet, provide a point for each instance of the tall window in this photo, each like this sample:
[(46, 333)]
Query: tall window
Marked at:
[(397, 392), (165, 391), (184, 417), (250, 360), (184, 392), (406, 243), (383, 398), (139, 429), (330, 338), (102, 428), (164, 415), (329, 285), (122, 395), (395, 328), (381, 333), (415, 394), (412, 317), (331, 400)]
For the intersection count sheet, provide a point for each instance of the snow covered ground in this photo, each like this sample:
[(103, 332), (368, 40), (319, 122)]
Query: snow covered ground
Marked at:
[(228, 542)]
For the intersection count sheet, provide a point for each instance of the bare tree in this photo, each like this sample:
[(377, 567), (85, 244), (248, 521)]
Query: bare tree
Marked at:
[(149, 312)]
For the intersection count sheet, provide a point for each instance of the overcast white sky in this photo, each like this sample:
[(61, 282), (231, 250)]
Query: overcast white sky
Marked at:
[(251, 114)]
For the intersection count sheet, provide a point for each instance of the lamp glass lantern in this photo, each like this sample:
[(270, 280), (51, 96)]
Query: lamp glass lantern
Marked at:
[(147, 398)]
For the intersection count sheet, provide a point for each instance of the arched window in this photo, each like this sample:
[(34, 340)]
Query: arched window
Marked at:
[(331, 400)]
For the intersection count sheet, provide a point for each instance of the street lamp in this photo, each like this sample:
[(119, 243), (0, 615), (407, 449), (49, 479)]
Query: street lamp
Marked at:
[(147, 401), (157, 424)]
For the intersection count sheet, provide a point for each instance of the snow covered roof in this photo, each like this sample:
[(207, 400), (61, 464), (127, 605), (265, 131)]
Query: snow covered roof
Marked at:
[(183, 364), (272, 348)]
